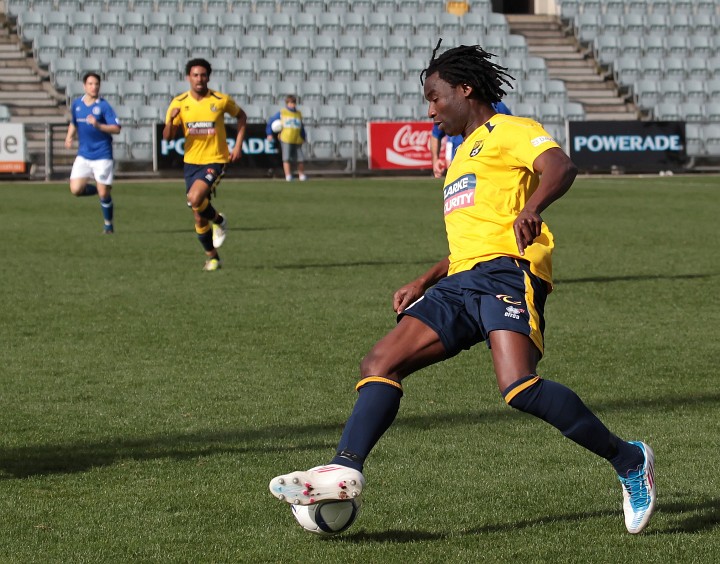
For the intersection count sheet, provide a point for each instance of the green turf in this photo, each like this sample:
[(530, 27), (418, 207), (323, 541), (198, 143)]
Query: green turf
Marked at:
[(144, 404)]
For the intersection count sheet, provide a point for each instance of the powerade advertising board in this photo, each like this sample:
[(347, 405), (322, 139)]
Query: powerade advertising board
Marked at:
[(627, 146), (259, 153)]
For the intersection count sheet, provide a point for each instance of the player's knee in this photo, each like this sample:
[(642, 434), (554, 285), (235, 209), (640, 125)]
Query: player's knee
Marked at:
[(77, 190), (375, 363)]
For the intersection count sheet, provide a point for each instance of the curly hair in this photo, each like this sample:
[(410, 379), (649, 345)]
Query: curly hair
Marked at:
[(471, 65)]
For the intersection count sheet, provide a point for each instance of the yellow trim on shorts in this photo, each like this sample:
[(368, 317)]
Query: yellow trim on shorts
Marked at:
[(205, 203), (535, 333), (524, 386), (380, 379), (202, 230)]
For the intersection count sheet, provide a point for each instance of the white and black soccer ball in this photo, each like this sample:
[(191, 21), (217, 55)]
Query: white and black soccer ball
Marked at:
[(276, 126), (327, 517)]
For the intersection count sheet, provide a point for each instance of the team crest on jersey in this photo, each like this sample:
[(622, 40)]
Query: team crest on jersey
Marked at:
[(476, 148), (213, 108), (96, 110)]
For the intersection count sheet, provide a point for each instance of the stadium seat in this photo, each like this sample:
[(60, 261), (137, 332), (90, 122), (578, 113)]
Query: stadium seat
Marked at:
[(531, 91), (590, 7), (274, 46), (413, 67), (701, 46), (348, 46), (72, 46), (317, 69), (612, 7), (404, 112), (373, 46), (232, 24), (329, 23), (151, 46), (342, 70), (631, 45), (667, 111), (695, 91), (173, 46), (195, 7), (261, 92), (238, 90), (335, 92), (224, 46), (264, 6), (305, 24), (47, 48), (157, 24), (353, 23), (671, 90), (361, 92), (692, 112), (392, 69), (663, 7), (207, 23), (653, 46), (168, 69), (284, 88), (141, 69), (256, 23), (673, 68), (700, 7), (473, 23), (157, 93), (98, 46), (574, 111), (324, 47), (132, 93), (122, 46), (124, 114), (526, 109), (676, 46), (56, 23), (694, 140), (345, 142), (711, 133), (367, 69), (327, 115), (377, 112), (140, 141), (312, 93), (634, 24), (377, 23), (697, 68), (182, 23), (401, 23), (132, 23), (281, 23), (651, 68), (81, 23), (496, 24), (385, 92), (299, 46), (322, 143), (352, 115), (116, 69), (200, 46), (64, 70), (267, 70), (293, 70), (425, 24), (516, 46), (646, 93)]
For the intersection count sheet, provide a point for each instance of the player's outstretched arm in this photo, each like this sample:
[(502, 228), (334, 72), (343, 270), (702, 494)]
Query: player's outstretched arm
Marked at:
[(415, 289), (557, 175)]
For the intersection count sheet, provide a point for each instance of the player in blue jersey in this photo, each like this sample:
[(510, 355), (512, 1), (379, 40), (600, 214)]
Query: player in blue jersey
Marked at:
[(441, 162), (492, 287), (95, 122)]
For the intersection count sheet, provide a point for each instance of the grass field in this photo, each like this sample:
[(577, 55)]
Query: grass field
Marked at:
[(144, 404)]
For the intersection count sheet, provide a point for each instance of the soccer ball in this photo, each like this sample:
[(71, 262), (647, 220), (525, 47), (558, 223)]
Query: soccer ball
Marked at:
[(327, 517), (276, 126)]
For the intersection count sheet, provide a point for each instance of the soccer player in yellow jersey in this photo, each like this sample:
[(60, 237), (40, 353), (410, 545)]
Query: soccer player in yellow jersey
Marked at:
[(201, 113), (492, 287)]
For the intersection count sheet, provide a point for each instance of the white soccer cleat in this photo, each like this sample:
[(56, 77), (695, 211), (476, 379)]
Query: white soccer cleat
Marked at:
[(318, 484), (639, 493), (219, 232)]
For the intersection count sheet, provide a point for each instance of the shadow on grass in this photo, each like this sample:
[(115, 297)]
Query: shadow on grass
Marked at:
[(696, 518), (23, 462)]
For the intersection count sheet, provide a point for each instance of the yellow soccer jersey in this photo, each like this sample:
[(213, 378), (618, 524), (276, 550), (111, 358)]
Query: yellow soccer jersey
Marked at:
[(487, 185), (292, 127), (203, 123)]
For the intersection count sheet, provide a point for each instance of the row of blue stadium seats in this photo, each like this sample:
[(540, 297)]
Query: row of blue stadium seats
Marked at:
[(571, 8), (222, 7), (47, 48), (33, 24)]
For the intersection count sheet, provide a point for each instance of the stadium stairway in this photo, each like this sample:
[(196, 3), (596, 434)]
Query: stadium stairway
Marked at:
[(26, 90), (567, 61)]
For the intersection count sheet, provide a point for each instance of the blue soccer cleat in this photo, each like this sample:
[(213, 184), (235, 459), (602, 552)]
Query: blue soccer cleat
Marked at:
[(639, 491)]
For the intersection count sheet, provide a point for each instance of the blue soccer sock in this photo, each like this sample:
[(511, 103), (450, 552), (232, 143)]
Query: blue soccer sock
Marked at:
[(564, 410), (206, 210), (106, 205), (374, 411), (90, 190)]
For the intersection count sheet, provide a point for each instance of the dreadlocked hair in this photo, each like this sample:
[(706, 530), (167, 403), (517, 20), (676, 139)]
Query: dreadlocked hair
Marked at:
[(470, 65)]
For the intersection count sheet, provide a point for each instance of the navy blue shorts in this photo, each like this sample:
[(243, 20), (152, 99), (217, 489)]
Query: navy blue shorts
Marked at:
[(500, 294), (210, 174)]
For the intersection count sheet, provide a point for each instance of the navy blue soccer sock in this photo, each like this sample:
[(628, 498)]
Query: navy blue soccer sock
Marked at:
[(564, 410), (374, 411), (204, 235), (206, 210), (90, 190), (106, 205)]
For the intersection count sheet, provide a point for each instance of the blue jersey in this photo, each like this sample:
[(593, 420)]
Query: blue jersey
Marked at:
[(93, 144), (456, 140)]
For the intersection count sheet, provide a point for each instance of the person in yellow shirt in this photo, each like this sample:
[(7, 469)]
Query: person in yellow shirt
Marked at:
[(291, 137), (492, 287), (201, 113)]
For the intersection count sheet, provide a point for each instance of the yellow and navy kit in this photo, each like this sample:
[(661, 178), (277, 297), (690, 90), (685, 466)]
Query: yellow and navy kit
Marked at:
[(203, 123), (487, 185)]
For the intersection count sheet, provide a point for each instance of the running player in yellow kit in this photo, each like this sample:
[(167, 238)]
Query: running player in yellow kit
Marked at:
[(201, 112), (492, 287)]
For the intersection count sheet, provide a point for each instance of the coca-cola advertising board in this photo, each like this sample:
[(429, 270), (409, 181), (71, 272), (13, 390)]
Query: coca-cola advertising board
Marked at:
[(399, 145)]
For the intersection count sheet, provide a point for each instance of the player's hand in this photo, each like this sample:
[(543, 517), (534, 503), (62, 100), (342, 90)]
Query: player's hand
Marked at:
[(270, 137), (236, 153), (527, 227), (407, 295), (439, 168), (68, 142), (91, 120)]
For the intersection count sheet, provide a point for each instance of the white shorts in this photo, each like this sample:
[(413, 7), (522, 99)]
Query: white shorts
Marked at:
[(100, 170)]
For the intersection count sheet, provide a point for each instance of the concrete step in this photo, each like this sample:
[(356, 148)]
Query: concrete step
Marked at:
[(553, 48), (41, 119), (29, 96), (606, 116)]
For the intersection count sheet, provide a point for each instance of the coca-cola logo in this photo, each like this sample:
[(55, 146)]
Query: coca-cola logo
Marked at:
[(409, 139)]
